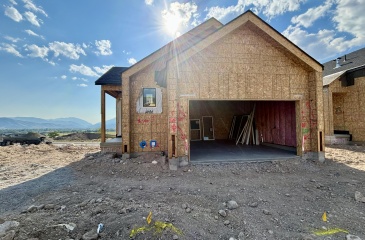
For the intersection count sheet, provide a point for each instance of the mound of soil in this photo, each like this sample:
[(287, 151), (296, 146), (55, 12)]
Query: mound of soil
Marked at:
[(66, 192), (79, 137)]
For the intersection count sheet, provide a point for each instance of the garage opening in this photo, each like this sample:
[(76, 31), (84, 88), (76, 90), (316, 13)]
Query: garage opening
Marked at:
[(231, 131)]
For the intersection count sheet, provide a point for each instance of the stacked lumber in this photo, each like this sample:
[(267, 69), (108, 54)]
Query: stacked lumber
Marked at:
[(247, 135)]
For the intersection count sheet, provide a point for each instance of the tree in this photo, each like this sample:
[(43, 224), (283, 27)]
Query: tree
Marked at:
[(53, 134)]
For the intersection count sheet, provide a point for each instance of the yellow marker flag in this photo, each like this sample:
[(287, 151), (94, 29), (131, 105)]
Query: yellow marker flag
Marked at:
[(149, 218), (324, 216)]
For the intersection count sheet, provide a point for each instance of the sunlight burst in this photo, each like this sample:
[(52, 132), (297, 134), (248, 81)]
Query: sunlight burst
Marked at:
[(172, 23)]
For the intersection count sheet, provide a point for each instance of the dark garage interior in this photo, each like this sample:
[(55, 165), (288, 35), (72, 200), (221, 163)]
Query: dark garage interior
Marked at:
[(242, 130)]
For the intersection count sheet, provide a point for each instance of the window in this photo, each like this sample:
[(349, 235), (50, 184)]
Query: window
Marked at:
[(149, 97)]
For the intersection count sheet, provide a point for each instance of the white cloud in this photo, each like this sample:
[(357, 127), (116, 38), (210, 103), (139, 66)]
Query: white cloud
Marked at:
[(52, 63), (82, 85), (32, 18), (31, 6), (269, 8), (30, 32), (63, 76), (126, 52), (312, 14), (14, 40), (13, 13), (345, 17), (327, 43), (82, 69), (181, 13), (10, 48), (104, 47), (81, 79), (69, 50), (148, 2), (36, 51), (103, 69), (131, 61), (13, 2)]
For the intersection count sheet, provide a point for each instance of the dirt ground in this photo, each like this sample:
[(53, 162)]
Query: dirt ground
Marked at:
[(64, 192)]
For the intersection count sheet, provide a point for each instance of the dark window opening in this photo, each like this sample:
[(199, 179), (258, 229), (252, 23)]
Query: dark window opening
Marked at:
[(149, 97)]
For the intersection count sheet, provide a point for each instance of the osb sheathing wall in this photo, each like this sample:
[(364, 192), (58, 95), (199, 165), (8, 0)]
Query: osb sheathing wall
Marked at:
[(345, 108), (245, 65), (144, 126)]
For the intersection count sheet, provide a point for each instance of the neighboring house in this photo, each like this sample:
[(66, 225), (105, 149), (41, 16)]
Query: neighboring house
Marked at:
[(191, 89), (344, 98)]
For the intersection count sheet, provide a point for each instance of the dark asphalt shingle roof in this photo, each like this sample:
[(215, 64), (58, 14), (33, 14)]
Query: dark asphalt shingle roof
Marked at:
[(353, 60), (111, 77)]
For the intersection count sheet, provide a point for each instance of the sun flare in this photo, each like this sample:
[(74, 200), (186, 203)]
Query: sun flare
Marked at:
[(172, 24)]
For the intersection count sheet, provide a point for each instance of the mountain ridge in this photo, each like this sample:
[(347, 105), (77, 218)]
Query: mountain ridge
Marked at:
[(57, 123)]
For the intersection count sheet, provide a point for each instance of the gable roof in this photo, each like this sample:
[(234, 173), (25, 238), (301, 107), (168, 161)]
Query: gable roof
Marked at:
[(180, 44), (112, 77), (253, 19), (348, 63)]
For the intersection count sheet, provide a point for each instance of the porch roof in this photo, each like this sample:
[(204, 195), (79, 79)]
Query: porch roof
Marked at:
[(112, 77)]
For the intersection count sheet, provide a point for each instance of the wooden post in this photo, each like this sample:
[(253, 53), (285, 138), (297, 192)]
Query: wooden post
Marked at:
[(102, 129)]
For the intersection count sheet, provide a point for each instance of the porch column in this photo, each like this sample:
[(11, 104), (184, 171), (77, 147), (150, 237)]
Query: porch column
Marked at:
[(118, 115), (126, 114), (102, 128)]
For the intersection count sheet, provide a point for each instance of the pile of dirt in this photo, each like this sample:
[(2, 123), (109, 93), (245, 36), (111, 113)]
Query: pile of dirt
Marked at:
[(66, 192), (79, 137)]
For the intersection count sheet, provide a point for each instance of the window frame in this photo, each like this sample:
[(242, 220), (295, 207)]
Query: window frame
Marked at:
[(154, 97)]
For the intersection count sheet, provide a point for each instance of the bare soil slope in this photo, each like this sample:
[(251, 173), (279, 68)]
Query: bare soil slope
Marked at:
[(65, 192)]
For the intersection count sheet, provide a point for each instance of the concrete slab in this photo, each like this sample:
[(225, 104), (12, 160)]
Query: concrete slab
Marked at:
[(228, 151)]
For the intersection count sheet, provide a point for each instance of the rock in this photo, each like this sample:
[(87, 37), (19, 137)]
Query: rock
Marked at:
[(232, 205), (69, 227), (40, 207), (5, 226), (91, 235), (266, 212), (140, 188), (232, 238), (270, 232), (154, 162), (188, 210), (216, 217), (359, 197), (2, 221), (32, 208), (175, 237), (222, 213), (84, 203), (253, 205), (184, 206), (49, 206), (226, 222), (9, 235), (241, 236), (352, 237)]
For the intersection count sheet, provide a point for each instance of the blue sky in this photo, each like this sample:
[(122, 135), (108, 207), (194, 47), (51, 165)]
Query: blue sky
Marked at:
[(51, 52)]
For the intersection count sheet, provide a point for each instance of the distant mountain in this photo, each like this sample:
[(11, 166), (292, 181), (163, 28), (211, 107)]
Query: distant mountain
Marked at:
[(109, 124), (39, 123)]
